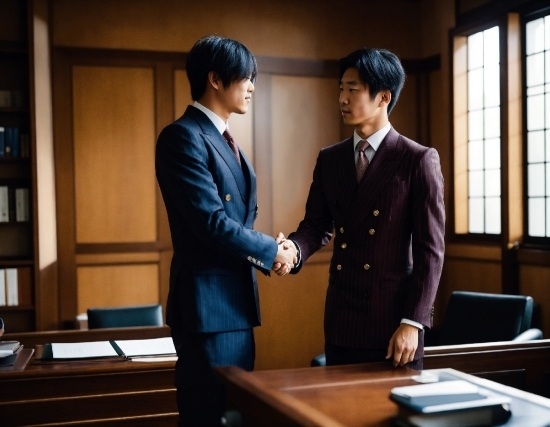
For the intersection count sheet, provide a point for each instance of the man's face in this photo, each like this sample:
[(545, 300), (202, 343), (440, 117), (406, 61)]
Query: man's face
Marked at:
[(236, 97), (356, 104)]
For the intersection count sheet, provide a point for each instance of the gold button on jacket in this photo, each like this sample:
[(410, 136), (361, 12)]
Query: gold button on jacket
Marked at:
[(228, 197)]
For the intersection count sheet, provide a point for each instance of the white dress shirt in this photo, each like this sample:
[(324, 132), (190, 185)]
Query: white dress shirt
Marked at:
[(214, 118)]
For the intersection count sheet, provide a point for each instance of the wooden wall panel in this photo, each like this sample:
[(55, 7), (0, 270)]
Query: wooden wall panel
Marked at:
[(292, 310), (534, 281), (114, 134), (117, 285), (305, 118)]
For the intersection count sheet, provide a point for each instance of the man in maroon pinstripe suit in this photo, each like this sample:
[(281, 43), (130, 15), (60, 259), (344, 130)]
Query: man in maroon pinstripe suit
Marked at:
[(383, 201)]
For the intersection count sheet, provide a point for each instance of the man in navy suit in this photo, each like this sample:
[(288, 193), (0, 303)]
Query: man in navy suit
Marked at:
[(381, 194), (209, 189)]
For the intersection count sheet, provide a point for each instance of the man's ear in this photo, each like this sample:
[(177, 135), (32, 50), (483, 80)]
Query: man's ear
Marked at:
[(385, 97), (214, 80)]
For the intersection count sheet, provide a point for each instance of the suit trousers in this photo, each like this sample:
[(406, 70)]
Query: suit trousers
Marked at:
[(337, 355), (200, 393)]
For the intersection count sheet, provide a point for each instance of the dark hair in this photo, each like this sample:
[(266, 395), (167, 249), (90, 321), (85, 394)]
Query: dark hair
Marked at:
[(380, 69), (229, 59)]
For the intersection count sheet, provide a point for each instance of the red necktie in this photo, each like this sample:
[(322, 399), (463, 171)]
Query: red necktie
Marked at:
[(227, 136), (362, 159)]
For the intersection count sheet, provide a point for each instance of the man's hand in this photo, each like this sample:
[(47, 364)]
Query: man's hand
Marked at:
[(403, 344), (283, 264)]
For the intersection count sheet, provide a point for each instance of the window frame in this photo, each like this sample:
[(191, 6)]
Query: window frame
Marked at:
[(525, 17), (465, 31)]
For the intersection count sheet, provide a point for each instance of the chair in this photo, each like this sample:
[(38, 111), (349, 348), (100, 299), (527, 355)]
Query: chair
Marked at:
[(474, 317), (122, 317)]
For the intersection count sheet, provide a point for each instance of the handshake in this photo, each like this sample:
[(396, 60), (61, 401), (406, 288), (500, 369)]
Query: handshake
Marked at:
[(287, 255)]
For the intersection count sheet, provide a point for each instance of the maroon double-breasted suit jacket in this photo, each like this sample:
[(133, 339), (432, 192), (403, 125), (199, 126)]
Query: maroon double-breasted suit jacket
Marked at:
[(389, 239)]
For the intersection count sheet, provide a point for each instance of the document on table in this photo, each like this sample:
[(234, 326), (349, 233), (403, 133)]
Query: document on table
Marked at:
[(81, 350), (149, 347)]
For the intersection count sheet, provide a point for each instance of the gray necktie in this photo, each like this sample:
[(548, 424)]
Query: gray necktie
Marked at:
[(362, 159)]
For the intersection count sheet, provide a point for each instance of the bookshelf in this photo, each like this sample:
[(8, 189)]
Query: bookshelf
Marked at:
[(17, 231)]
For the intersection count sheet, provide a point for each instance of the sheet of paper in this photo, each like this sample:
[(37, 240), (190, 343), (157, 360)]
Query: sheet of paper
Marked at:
[(149, 347), (82, 350), (155, 359)]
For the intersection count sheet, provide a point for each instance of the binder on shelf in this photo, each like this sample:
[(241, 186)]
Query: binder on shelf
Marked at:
[(2, 142), (2, 287), (22, 212), (12, 288), (449, 403), (4, 204)]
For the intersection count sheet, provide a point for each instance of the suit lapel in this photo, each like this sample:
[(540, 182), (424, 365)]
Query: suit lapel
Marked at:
[(252, 194), (347, 185), (220, 144), (379, 172)]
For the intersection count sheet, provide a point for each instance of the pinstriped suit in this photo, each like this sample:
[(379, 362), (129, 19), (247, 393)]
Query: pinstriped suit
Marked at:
[(393, 219), (213, 299)]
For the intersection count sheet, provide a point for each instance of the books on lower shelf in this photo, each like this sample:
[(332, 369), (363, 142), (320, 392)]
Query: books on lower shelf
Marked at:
[(16, 286), (14, 204), (127, 349), (14, 143), (449, 403)]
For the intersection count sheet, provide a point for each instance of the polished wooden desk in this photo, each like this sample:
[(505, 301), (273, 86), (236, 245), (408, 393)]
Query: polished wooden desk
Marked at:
[(123, 393), (347, 396)]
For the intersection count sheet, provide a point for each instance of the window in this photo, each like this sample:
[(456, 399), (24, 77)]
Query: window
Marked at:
[(537, 91), (477, 133), (484, 132)]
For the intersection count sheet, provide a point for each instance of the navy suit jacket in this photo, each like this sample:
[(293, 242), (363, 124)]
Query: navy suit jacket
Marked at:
[(211, 206), (389, 239)]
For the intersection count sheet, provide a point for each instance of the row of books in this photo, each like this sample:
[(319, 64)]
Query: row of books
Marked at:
[(13, 143), (16, 286), (14, 204)]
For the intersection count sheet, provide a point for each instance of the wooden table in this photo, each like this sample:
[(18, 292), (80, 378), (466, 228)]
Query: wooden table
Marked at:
[(107, 392), (350, 396)]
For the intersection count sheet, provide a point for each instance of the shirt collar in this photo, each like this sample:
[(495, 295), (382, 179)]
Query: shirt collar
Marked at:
[(214, 118), (375, 139)]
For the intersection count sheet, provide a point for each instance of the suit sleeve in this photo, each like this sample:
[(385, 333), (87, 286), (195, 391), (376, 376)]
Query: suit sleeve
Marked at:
[(315, 230), (182, 167), (428, 234)]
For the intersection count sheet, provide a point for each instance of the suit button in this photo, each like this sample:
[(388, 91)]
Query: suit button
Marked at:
[(343, 246), (366, 266), (228, 197), (376, 212), (371, 231), (341, 229), (338, 267)]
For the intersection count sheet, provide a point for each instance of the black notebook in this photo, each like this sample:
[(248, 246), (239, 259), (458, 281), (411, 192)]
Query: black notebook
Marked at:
[(449, 403)]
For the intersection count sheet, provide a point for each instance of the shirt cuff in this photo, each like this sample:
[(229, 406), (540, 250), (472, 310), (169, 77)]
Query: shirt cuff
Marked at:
[(413, 323), (298, 255)]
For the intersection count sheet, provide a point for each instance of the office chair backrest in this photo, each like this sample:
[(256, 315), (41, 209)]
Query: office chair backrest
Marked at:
[(473, 317), (120, 317)]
